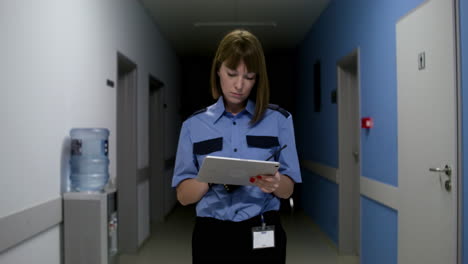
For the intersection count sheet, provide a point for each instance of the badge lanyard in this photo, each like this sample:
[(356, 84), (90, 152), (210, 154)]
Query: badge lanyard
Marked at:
[(263, 236)]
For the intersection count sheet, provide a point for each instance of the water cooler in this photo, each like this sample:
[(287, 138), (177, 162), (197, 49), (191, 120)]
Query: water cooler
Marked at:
[(89, 161), (90, 227), (90, 209)]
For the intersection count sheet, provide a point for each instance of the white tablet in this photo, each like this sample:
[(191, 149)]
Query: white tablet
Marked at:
[(222, 170)]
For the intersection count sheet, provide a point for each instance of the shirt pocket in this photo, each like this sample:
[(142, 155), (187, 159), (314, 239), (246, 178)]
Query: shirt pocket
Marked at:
[(208, 146), (262, 147), (264, 142)]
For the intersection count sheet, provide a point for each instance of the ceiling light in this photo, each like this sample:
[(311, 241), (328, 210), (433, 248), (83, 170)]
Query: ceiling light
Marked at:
[(234, 23)]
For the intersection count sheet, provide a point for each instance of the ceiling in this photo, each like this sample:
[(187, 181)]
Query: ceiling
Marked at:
[(194, 27)]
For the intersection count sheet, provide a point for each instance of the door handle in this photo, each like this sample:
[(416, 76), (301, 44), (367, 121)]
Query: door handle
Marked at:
[(447, 170), (356, 155)]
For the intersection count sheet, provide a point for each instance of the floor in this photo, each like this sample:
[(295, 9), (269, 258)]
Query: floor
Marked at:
[(170, 241)]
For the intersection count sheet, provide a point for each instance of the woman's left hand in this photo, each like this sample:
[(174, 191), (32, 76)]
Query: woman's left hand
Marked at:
[(267, 183)]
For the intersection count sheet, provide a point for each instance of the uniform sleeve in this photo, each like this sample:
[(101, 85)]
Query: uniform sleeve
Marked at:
[(288, 156), (185, 164)]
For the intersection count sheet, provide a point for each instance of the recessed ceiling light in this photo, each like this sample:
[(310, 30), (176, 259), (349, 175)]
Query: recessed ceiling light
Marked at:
[(234, 23)]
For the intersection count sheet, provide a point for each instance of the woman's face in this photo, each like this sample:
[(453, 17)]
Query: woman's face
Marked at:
[(236, 85)]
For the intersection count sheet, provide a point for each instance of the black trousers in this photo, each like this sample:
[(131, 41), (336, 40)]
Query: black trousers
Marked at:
[(217, 241)]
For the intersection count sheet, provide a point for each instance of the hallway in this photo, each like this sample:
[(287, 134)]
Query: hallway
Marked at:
[(170, 241), (402, 64)]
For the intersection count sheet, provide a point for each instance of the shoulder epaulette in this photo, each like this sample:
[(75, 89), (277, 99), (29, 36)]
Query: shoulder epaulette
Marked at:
[(279, 109), (198, 112)]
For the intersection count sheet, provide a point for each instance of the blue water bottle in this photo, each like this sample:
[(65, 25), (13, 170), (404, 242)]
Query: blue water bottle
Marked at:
[(89, 160)]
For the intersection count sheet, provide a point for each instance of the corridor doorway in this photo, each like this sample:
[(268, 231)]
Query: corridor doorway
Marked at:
[(156, 148), (349, 146), (127, 195)]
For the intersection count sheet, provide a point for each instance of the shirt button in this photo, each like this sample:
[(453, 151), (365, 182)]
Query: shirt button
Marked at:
[(235, 150), (234, 123)]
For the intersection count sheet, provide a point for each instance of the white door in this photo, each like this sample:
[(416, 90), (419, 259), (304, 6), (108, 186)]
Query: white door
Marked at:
[(427, 134)]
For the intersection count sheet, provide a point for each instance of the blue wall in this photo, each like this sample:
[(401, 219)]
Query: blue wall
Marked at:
[(379, 238), (344, 26), (464, 84), (322, 205)]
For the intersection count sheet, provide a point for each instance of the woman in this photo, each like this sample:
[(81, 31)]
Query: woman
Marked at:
[(241, 124)]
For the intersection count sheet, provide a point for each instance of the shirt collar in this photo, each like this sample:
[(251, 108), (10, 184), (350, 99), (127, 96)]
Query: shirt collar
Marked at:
[(218, 109), (250, 107)]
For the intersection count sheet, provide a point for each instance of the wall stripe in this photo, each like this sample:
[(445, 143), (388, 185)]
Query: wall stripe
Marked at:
[(328, 173), (20, 226), (383, 193)]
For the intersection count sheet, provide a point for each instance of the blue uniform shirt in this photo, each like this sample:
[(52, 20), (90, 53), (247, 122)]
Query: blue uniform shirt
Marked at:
[(216, 132)]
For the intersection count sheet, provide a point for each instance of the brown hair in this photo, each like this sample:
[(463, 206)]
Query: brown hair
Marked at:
[(241, 45)]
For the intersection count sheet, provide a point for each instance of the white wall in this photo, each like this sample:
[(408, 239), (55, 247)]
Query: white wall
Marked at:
[(56, 58), (43, 248)]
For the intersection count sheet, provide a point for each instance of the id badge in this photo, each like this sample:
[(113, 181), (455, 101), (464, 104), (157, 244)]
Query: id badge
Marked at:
[(263, 237)]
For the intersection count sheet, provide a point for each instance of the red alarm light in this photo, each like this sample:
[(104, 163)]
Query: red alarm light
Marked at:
[(367, 122)]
